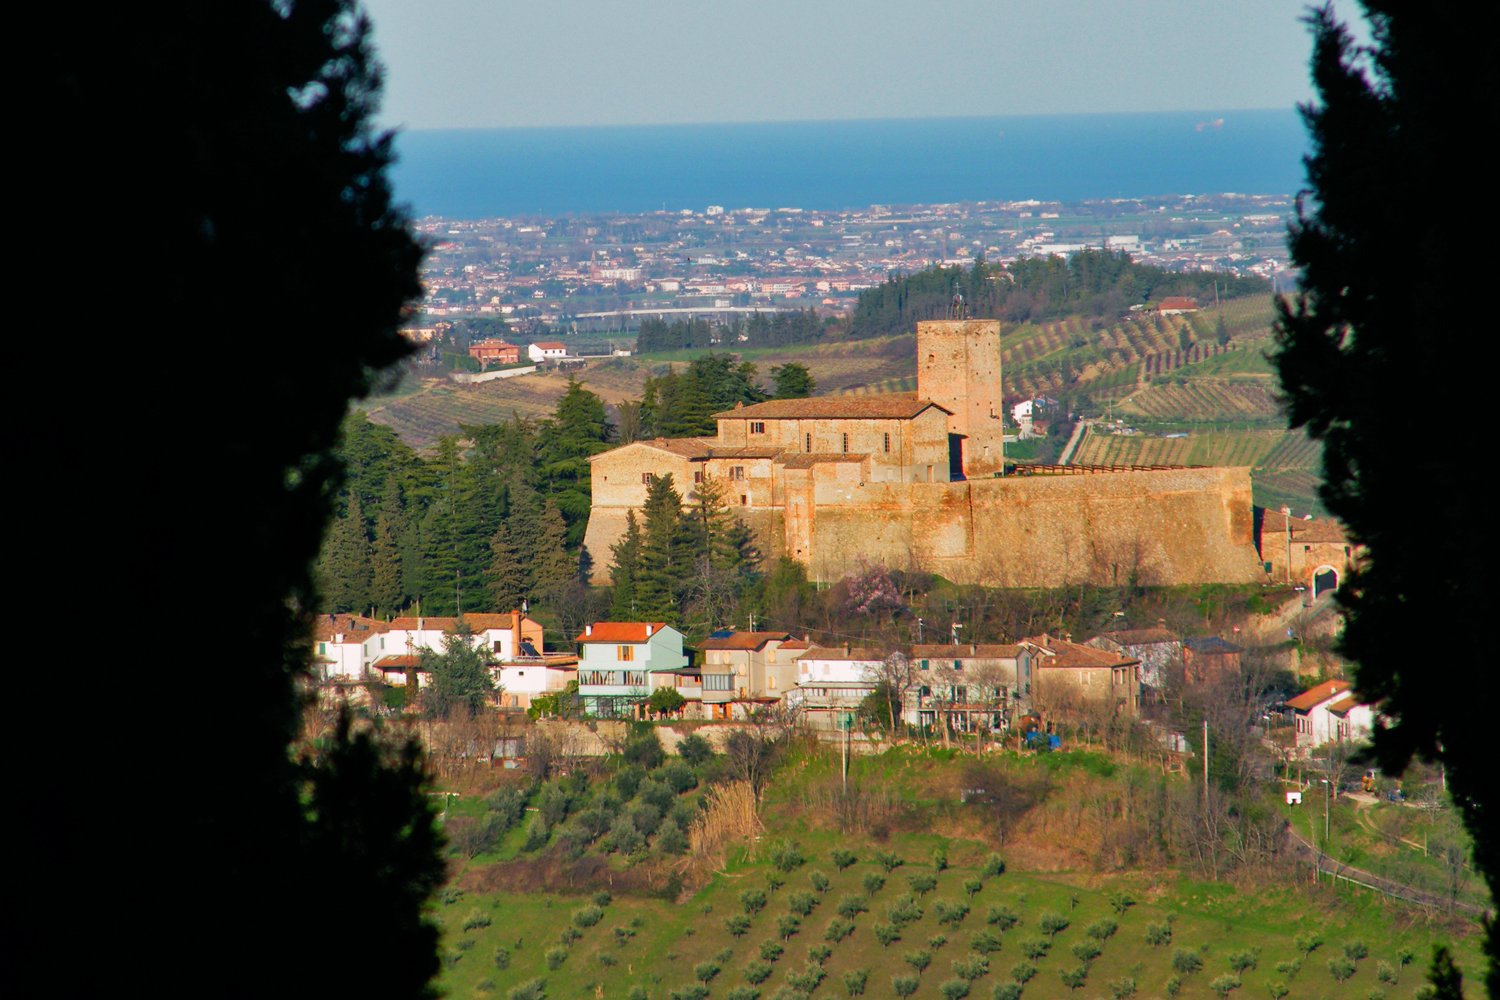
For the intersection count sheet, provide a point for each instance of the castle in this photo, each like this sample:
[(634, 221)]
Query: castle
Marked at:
[(918, 481)]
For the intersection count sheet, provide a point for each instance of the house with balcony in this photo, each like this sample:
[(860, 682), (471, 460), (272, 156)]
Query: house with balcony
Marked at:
[(740, 671), (832, 681), (970, 686), (619, 662)]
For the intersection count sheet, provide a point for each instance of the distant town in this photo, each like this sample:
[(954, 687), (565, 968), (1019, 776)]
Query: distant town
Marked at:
[(602, 273)]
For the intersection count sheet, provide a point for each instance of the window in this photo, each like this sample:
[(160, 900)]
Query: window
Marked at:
[(924, 664), (757, 427), (646, 478), (624, 654), (958, 664), (846, 443), (718, 682), (744, 500), (737, 473), (888, 443), (807, 445)]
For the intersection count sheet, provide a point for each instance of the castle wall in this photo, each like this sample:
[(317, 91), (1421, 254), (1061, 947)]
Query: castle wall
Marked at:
[(616, 475), (958, 367), (898, 449)]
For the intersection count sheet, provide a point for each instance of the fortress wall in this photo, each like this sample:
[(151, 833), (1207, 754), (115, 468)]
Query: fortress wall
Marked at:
[(607, 527)]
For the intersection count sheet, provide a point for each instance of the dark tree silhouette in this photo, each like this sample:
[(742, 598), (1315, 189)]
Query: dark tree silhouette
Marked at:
[(205, 175), (1383, 318)]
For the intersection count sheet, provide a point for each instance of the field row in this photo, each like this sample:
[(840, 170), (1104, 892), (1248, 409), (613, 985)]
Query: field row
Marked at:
[(1204, 399)]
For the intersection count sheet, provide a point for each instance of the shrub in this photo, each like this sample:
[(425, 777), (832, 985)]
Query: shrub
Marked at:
[(1006, 991), (603, 898), (984, 943), (679, 777), (742, 993), (532, 989), (1173, 986), (786, 856), (873, 883), (774, 881), (1002, 917), (1355, 951), (1307, 943), (656, 793), (787, 926), (923, 884), (851, 906), (918, 960), (886, 934), (972, 886), (903, 911), (801, 903), (1277, 989), (623, 934), (855, 980), (670, 839), (694, 749), (890, 862), (1386, 973), (1289, 969), (993, 865), (1120, 902), (1074, 979), (770, 951), (644, 751), (842, 859), (1186, 962), (757, 973), (1022, 972), (819, 953), (838, 930), (737, 925), (1035, 948), (954, 989), (1225, 984), (950, 915), (1102, 930), (693, 992), (1340, 968), (451, 896), (465, 944), (972, 967), (606, 959), (555, 957), (588, 916), (1085, 951), (1239, 961), (1053, 924), (936, 941), (502, 958), (807, 980), (1122, 988), (476, 919), (705, 972), (787, 993), (1158, 934), (753, 900), (940, 859), (625, 836), (904, 986), (819, 881), (569, 935)]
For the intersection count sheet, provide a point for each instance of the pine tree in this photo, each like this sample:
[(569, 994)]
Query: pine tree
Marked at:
[(623, 570), (461, 678), (1381, 316), (345, 563), (552, 567), (385, 568), (666, 553), (578, 429), (506, 579)]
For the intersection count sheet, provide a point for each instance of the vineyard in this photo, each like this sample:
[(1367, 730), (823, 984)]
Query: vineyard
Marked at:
[(1203, 399), (811, 912)]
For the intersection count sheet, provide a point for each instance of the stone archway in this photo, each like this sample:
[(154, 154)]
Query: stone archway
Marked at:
[(1324, 580)]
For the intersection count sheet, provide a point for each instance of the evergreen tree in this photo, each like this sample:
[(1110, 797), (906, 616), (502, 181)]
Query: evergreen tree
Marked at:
[(666, 554), (1378, 317), (793, 381), (344, 567), (507, 575), (387, 569), (623, 570), (578, 429), (553, 568), (461, 678)]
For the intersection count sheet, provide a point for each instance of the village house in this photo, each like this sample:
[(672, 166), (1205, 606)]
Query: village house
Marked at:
[(1207, 658), (495, 352), (1073, 677), (974, 685), (741, 671), (1158, 648), (618, 662), (832, 681), (549, 350), (1315, 553), (346, 646), (1330, 713)]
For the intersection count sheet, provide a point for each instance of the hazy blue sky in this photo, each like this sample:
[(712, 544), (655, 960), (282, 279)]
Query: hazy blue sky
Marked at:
[(480, 63)]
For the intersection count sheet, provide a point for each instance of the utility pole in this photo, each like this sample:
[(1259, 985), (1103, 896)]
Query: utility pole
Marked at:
[(920, 623), (1286, 514), (1205, 761)]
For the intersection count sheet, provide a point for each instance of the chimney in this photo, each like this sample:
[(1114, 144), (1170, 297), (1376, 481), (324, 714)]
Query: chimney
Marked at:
[(1161, 623), (648, 630), (515, 633), (1067, 637), (973, 649), (588, 630), (847, 651)]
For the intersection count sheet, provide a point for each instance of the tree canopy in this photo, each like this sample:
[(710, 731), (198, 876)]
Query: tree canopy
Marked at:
[(1378, 318)]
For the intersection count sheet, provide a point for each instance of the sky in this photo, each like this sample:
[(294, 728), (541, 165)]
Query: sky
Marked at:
[(502, 63)]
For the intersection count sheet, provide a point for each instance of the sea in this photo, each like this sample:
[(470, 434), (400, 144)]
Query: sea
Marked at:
[(831, 165)]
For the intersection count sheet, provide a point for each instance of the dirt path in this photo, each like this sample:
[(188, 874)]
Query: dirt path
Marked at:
[(1348, 873)]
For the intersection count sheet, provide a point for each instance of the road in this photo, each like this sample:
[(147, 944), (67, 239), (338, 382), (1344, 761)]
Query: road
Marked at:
[(1330, 866)]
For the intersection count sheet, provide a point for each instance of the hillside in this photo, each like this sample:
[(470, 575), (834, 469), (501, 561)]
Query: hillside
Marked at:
[(1039, 890)]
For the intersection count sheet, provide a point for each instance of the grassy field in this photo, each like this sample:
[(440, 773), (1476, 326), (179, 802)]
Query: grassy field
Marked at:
[(861, 926)]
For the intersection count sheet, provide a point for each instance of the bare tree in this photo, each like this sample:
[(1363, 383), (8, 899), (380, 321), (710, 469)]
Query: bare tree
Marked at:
[(895, 676)]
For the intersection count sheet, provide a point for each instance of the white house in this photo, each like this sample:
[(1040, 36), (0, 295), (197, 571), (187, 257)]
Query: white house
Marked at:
[(1331, 713), (619, 662), (832, 681), (346, 646), (549, 350)]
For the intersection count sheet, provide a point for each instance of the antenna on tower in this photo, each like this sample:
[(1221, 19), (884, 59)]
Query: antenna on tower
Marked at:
[(958, 308)]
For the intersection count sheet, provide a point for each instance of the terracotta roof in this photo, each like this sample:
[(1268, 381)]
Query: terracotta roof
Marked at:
[(743, 640), (1344, 704), (1062, 653), (1141, 636), (356, 628), (883, 406), (620, 631), (1177, 302), (476, 622), (1273, 522), (797, 644), (966, 651), (1210, 645), (402, 662), (839, 653), (550, 345), (694, 449), (1316, 695)]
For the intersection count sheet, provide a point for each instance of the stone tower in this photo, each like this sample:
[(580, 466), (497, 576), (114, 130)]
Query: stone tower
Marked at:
[(958, 367)]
